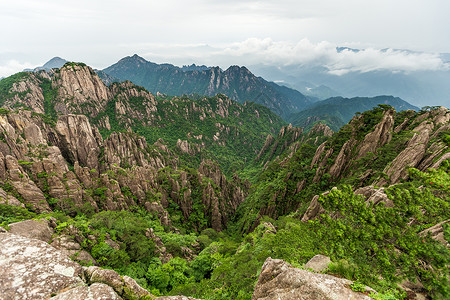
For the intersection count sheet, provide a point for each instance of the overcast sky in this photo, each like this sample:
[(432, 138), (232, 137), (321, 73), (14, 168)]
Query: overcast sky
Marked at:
[(217, 32)]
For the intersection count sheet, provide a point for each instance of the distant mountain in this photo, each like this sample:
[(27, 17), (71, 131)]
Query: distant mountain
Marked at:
[(238, 83), (55, 62), (106, 78), (338, 111), (194, 67)]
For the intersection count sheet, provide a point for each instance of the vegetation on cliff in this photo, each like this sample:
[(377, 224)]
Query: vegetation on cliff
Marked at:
[(151, 186)]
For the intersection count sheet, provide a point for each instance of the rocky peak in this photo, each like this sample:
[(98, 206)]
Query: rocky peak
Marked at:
[(321, 129), (133, 102), (380, 136), (80, 90)]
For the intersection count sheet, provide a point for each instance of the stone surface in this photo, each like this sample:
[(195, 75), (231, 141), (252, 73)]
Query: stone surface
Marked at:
[(96, 291), (33, 229), (318, 263), (83, 89), (109, 277), (9, 200), (380, 136), (123, 286), (132, 289), (436, 232), (78, 140), (32, 269), (72, 249), (280, 281), (375, 196)]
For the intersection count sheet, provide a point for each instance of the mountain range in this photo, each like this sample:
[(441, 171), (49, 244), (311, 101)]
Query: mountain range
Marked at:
[(205, 197), (238, 83), (338, 111)]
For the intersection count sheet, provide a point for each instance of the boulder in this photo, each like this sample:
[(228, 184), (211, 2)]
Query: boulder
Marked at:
[(124, 286), (32, 229), (280, 281), (109, 277), (318, 263)]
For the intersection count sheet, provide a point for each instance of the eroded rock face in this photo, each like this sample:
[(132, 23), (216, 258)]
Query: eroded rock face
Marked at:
[(314, 210), (9, 199), (321, 129), (280, 281), (67, 245), (412, 155), (82, 86), (380, 136), (32, 269), (375, 196), (30, 92), (79, 141), (231, 193), (129, 97)]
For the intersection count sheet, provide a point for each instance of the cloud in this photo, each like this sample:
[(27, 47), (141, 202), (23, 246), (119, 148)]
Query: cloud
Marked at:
[(306, 53), (13, 66)]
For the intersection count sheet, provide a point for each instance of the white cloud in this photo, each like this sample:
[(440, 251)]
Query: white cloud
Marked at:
[(13, 66), (267, 51)]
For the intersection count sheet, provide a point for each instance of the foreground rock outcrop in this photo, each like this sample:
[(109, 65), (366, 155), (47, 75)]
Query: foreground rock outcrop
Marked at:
[(32, 269), (280, 281)]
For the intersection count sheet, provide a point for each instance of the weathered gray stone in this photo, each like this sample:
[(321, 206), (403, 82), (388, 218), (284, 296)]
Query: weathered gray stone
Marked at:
[(32, 269), (33, 229), (318, 263), (124, 286), (96, 291), (109, 277), (380, 136), (132, 289), (374, 196), (9, 200)]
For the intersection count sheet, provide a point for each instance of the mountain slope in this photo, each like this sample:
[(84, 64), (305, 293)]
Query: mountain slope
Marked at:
[(337, 111), (238, 83)]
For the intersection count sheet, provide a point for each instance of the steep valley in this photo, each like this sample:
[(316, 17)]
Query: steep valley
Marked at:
[(199, 196)]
